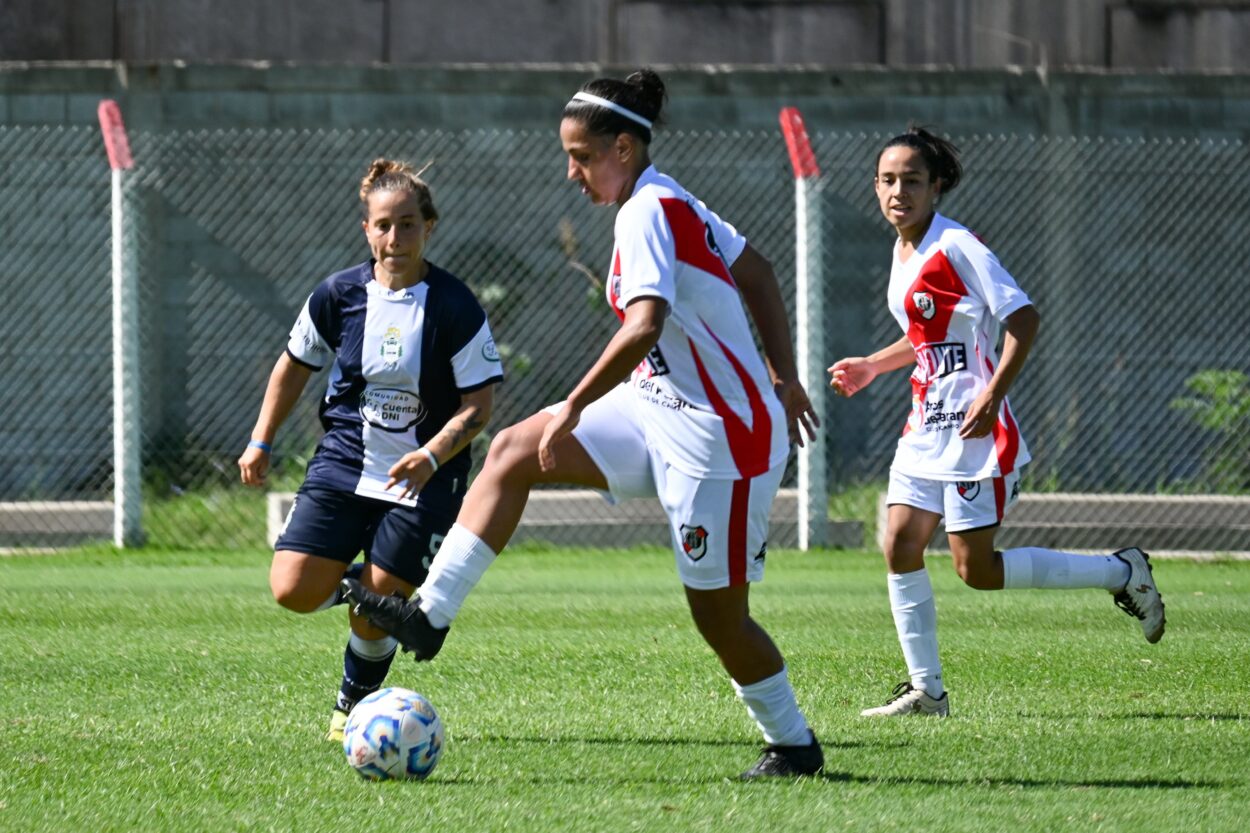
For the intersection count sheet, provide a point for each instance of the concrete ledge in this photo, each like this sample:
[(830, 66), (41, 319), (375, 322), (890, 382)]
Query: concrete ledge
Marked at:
[(1197, 523), (54, 523), (581, 517)]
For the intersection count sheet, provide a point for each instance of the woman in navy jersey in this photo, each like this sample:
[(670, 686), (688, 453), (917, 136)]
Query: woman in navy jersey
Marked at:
[(960, 454), (703, 424), (413, 370)]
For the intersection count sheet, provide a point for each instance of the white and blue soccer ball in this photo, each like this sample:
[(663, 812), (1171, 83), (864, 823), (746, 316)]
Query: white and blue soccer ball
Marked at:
[(393, 733)]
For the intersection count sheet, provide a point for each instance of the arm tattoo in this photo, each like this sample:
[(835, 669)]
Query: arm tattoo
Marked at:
[(464, 430)]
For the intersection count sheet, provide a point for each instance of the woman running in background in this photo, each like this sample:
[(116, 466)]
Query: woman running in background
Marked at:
[(961, 451)]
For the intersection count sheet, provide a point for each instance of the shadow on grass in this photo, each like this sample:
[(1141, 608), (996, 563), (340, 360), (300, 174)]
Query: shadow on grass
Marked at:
[(1236, 718), (625, 742), (1210, 718), (866, 780), (1099, 783)]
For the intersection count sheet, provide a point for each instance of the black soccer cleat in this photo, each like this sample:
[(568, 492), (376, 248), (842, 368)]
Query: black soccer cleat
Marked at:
[(788, 762), (399, 617)]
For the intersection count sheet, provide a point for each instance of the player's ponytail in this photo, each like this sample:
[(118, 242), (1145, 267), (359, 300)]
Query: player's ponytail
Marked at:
[(637, 104), (940, 155), (392, 175)]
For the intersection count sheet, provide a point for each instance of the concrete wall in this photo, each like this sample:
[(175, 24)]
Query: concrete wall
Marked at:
[(1117, 34), (998, 101)]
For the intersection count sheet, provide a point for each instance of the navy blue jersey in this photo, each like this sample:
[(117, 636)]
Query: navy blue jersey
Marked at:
[(402, 359)]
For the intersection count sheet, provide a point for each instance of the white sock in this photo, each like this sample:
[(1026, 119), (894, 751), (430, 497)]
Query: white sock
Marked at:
[(462, 559), (1051, 569), (329, 602), (772, 706), (915, 619), (374, 649)]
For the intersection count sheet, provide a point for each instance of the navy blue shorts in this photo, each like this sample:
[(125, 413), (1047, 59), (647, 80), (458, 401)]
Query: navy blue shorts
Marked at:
[(335, 524)]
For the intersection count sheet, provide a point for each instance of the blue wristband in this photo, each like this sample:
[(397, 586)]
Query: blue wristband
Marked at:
[(261, 444)]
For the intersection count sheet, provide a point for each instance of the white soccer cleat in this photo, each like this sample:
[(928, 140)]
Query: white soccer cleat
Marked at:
[(906, 700), (1140, 597)]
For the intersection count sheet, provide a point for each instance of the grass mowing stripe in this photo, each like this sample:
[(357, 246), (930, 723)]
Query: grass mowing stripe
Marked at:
[(168, 692)]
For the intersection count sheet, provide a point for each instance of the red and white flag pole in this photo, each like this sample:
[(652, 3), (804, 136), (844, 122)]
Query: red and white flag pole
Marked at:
[(127, 426), (813, 498)]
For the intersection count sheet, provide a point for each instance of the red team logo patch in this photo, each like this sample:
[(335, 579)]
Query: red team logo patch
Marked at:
[(924, 304), (969, 489), (694, 541)]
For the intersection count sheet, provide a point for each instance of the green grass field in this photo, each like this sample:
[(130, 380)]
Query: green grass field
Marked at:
[(159, 691)]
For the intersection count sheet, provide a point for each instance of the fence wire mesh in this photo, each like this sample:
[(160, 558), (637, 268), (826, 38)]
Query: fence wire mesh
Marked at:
[(1136, 386)]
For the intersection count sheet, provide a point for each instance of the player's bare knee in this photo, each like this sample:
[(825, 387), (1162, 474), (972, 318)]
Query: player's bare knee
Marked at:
[(977, 572), (903, 552), (291, 596), (512, 450)]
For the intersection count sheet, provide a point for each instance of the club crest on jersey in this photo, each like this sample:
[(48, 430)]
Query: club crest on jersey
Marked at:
[(392, 349), (391, 409), (694, 541), (969, 489), (490, 352), (924, 304)]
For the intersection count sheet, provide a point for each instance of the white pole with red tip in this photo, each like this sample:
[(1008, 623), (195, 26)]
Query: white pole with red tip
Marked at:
[(127, 426), (813, 498)]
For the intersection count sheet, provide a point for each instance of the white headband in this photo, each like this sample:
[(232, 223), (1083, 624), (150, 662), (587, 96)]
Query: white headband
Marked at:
[(614, 107)]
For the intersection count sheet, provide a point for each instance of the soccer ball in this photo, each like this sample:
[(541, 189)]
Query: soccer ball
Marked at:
[(393, 733)]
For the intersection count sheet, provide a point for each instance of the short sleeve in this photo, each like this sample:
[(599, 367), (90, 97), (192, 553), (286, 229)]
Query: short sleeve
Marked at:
[(984, 275), (476, 364), (644, 243), (728, 240), (309, 342)]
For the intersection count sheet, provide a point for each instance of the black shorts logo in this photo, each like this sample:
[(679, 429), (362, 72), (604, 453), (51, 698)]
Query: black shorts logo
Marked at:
[(694, 541), (969, 489)]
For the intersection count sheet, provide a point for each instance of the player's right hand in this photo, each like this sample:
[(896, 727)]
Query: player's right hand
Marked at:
[(560, 426), (849, 376), (253, 466)]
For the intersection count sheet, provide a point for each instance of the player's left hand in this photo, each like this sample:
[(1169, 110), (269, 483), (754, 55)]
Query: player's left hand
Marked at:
[(415, 468), (560, 426), (800, 415), (981, 416)]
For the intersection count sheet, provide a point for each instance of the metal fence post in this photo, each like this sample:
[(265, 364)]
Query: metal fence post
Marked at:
[(810, 323), (127, 427)]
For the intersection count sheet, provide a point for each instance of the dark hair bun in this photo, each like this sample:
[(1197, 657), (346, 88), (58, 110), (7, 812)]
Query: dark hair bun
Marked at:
[(650, 93)]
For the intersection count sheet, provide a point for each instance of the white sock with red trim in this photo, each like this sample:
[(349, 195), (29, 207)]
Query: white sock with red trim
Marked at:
[(1025, 567), (915, 620), (772, 706), (462, 559)]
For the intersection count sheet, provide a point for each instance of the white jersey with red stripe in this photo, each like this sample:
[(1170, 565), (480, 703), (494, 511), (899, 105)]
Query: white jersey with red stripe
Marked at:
[(705, 398), (949, 298)]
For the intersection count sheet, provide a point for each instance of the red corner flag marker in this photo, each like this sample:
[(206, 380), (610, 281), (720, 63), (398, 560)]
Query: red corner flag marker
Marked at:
[(115, 141), (800, 147)]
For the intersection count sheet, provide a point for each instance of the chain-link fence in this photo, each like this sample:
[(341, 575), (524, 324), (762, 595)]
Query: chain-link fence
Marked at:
[(1136, 386)]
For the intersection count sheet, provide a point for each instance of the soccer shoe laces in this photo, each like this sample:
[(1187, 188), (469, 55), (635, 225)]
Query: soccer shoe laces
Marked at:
[(1128, 604), (900, 691)]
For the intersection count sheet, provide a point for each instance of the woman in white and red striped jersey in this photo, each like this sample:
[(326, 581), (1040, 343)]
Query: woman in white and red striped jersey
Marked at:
[(960, 454)]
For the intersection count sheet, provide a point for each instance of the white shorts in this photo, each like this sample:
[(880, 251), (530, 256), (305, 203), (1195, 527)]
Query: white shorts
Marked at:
[(965, 504), (719, 528)]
